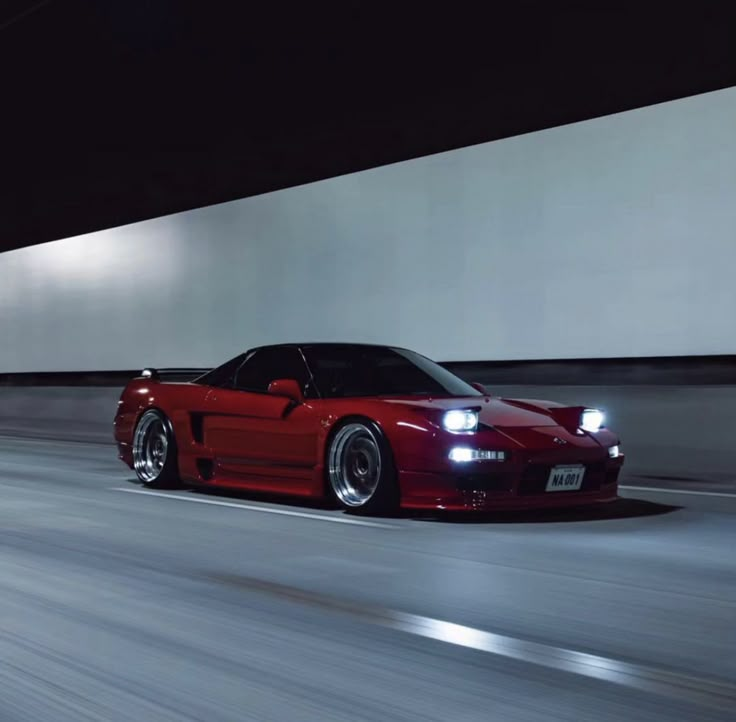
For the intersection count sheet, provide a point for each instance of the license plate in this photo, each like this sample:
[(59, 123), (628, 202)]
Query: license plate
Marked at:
[(565, 478)]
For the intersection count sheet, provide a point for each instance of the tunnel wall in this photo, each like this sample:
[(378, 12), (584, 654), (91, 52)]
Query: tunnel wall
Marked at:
[(614, 237)]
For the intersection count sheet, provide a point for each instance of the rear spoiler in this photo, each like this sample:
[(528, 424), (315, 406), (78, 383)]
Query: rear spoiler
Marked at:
[(172, 374)]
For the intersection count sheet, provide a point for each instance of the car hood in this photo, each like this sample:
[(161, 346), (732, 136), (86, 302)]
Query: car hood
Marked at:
[(527, 423), (497, 412)]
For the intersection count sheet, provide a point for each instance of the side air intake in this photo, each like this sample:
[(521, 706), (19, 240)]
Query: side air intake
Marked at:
[(205, 468)]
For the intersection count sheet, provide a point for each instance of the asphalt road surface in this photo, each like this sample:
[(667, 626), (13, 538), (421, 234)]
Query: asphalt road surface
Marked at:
[(121, 604)]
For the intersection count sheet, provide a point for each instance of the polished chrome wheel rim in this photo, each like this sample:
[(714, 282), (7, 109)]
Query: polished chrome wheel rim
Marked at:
[(150, 447), (354, 464)]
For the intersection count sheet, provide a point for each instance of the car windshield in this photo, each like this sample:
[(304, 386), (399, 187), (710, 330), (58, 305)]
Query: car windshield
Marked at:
[(344, 370)]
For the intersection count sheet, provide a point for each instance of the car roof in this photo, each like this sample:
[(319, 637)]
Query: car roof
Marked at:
[(320, 344), (328, 344)]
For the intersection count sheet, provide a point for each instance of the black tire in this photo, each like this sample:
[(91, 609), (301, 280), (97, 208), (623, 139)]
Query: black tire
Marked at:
[(155, 454), (361, 474)]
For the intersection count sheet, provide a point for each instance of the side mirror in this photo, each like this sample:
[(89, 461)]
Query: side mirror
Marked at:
[(287, 387), (480, 387)]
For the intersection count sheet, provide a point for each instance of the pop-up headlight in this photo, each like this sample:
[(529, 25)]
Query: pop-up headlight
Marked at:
[(591, 420), (460, 420)]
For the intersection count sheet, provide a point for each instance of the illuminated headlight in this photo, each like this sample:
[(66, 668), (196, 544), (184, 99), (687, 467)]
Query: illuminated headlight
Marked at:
[(463, 453), (614, 452), (591, 420), (460, 420)]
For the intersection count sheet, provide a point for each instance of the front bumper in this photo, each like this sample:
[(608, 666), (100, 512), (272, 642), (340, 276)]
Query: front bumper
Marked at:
[(518, 486)]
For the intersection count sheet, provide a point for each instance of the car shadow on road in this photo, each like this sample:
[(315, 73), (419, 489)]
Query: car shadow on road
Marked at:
[(619, 509)]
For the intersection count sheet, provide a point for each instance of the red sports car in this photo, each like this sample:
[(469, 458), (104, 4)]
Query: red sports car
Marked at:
[(374, 427)]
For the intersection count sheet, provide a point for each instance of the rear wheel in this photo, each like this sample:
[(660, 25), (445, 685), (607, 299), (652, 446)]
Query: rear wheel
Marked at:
[(154, 450), (360, 469)]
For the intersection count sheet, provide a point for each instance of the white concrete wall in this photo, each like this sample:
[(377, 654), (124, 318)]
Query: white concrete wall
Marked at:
[(610, 237)]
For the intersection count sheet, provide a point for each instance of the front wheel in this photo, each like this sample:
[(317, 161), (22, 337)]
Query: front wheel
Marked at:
[(360, 469), (154, 450)]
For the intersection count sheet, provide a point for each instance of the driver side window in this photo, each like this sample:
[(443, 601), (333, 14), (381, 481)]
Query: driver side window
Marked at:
[(268, 364)]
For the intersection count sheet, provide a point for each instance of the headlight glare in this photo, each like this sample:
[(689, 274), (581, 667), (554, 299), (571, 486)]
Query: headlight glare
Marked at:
[(463, 453), (591, 420), (460, 420)]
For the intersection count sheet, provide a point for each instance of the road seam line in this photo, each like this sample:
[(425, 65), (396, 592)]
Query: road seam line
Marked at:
[(677, 491)]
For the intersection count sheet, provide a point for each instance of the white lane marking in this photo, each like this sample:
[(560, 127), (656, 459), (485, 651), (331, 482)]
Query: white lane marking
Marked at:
[(677, 491), (608, 669), (265, 509), (710, 691)]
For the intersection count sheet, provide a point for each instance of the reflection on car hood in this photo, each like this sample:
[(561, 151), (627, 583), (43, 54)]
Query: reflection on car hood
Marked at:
[(508, 413)]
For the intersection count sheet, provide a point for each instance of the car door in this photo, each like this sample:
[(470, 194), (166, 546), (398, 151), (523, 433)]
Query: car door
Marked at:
[(260, 440)]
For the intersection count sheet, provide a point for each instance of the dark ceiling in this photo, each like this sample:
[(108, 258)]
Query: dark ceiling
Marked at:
[(117, 111)]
